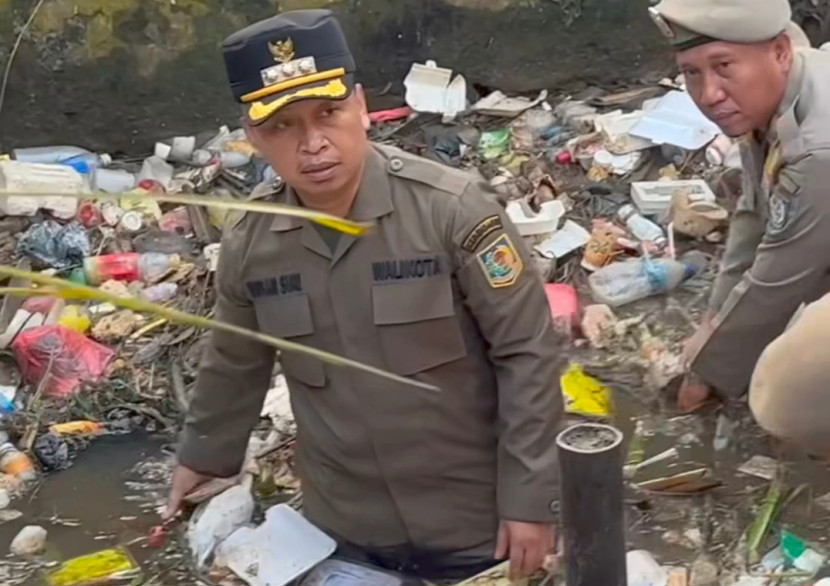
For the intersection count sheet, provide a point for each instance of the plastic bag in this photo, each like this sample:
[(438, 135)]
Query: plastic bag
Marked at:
[(56, 246), (216, 520), (585, 395), (73, 357)]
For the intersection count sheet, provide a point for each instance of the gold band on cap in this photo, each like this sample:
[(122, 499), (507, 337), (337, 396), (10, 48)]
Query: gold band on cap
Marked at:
[(334, 89), (292, 83)]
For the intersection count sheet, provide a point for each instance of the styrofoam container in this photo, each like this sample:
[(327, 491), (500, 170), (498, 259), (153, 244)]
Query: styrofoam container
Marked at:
[(653, 198), (531, 224), (44, 185), (277, 552)]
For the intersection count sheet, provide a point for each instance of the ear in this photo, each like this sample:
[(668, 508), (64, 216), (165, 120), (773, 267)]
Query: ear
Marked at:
[(253, 134), (360, 95), (782, 47)]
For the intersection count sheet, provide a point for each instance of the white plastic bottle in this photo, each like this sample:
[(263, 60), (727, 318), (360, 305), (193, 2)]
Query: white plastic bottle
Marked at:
[(644, 229), (625, 282)]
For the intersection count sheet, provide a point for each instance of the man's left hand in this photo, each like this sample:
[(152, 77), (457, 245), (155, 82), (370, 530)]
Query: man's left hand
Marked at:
[(526, 545)]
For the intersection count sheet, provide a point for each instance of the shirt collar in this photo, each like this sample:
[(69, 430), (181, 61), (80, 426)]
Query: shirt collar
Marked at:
[(373, 198)]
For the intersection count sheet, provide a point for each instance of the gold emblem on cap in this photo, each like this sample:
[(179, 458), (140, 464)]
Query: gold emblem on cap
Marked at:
[(283, 51), (662, 23)]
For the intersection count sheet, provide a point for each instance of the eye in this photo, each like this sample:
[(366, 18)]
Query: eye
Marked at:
[(328, 112), (723, 67)]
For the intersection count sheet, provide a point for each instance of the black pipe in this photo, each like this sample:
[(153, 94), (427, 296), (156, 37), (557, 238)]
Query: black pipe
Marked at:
[(591, 480)]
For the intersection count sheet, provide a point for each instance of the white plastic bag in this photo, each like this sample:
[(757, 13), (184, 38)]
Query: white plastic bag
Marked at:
[(218, 519)]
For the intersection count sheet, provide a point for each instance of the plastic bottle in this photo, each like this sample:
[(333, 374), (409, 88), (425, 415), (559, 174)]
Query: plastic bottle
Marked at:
[(49, 154), (645, 230), (625, 282), (16, 463), (113, 180), (87, 163), (128, 267), (160, 293)]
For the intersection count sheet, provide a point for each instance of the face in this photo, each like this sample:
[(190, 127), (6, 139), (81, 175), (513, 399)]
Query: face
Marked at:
[(317, 146), (739, 87)]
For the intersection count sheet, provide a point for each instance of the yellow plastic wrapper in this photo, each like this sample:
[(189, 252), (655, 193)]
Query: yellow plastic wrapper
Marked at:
[(96, 568), (77, 428), (585, 395), (75, 318)]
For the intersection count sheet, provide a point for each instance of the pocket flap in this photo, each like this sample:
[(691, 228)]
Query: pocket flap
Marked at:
[(412, 301), (285, 317)]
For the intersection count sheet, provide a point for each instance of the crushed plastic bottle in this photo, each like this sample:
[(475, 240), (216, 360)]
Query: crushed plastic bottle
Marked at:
[(625, 282)]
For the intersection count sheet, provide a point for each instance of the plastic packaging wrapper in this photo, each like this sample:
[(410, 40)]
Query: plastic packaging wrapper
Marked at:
[(56, 246), (67, 356)]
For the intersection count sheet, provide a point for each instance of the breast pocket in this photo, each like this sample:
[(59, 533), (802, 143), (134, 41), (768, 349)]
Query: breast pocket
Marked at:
[(417, 326), (290, 318)]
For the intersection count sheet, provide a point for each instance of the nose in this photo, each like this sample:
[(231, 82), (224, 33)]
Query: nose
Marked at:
[(313, 140), (711, 92)]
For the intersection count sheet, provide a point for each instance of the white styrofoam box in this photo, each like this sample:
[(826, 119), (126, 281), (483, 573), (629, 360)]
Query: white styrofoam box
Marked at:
[(531, 224), (44, 186), (654, 198)]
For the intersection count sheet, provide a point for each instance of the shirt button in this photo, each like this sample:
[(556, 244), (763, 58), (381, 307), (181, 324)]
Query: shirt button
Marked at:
[(396, 164)]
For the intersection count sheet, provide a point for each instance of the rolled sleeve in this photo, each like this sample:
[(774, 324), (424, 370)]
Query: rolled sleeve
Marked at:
[(789, 269), (512, 312)]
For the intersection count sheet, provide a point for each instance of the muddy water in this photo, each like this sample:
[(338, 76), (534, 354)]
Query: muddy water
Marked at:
[(106, 499)]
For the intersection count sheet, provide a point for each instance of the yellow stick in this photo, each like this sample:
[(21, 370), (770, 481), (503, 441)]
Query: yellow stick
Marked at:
[(69, 290)]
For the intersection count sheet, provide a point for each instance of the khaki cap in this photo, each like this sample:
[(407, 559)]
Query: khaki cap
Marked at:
[(687, 24), (789, 393)]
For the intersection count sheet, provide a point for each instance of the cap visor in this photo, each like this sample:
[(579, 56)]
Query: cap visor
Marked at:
[(338, 88)]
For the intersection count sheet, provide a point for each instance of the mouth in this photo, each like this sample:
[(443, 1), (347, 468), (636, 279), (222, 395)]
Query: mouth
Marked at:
[(725, 117), (320, 172)]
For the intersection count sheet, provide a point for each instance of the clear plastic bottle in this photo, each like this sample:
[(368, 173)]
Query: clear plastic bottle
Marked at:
[(625, 282), (129, 267), (87, 163), (48, 154), (645, 230)]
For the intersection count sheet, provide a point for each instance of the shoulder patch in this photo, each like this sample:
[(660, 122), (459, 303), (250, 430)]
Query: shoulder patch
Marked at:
[(481, 231), (782, 204), (501, 263)]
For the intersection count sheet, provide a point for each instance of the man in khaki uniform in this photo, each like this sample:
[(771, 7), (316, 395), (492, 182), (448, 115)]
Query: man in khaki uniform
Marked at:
[(434, 484), (751, 71)]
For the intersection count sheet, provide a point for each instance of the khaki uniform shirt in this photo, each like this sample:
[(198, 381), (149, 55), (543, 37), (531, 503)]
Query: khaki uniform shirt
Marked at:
[(778, 252), (441, 290)]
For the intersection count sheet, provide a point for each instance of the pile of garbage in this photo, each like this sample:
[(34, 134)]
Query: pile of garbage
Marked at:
[(624, 199)]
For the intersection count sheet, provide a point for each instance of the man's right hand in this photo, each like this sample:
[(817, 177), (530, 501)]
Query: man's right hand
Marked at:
[(184, 481)]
